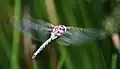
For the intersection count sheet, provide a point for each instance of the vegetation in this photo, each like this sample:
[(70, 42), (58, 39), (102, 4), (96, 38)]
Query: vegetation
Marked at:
[(16, 48)]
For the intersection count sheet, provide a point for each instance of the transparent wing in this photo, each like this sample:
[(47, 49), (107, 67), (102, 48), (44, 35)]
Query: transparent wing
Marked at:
[(37, 29), (75, 35), (42, 23)]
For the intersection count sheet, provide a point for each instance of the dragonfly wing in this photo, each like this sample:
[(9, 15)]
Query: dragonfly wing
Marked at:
[(75, 35), (39, 31), (42, 23)]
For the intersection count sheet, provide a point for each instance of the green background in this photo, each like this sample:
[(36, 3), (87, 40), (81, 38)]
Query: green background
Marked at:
[(80, 13)]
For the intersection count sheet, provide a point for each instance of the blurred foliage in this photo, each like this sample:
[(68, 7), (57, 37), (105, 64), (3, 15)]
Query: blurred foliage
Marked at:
[(81, 13), (111, 23)]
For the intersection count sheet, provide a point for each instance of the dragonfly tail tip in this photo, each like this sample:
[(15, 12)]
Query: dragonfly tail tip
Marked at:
[(33, 57)]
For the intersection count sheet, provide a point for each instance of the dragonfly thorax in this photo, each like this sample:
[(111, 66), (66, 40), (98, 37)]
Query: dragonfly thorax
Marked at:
[(59, 30)]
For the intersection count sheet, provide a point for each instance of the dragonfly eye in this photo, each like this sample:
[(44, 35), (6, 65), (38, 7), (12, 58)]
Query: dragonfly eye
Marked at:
[(58, 31), (61, 28)]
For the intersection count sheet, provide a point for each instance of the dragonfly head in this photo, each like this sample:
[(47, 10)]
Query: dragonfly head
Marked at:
[(59, 30)]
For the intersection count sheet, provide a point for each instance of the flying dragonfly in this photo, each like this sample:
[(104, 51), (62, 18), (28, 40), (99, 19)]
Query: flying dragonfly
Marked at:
[(65, 35)]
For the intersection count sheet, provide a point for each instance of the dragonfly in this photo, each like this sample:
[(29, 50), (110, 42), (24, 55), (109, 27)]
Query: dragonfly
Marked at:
[(46, 32)]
